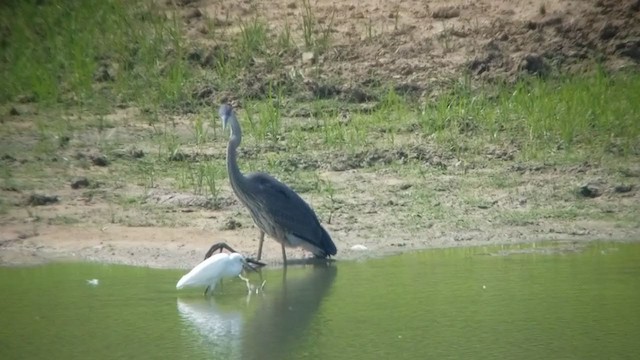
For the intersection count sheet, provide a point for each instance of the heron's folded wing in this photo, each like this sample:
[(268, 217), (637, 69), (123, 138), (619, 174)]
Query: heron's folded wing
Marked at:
[(287, 209)]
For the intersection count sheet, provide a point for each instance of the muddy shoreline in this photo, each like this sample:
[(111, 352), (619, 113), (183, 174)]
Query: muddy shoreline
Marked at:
[(182, 248)]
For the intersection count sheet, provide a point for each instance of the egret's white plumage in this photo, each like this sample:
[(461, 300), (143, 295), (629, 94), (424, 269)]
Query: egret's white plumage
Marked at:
[(210, 271)]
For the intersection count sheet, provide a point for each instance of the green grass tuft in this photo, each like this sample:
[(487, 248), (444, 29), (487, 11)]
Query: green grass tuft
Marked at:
[(81, 52)]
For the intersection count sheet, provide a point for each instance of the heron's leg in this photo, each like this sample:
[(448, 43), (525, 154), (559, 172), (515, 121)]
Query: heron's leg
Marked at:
[(284, 278), (284, 256), (206, 291), (260, 246)]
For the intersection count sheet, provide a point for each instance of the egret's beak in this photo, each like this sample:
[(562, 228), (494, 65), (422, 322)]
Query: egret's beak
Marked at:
[(248, 264)]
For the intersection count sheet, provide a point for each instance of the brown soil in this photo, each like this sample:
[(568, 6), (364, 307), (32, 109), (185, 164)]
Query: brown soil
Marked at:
[(418, 46)]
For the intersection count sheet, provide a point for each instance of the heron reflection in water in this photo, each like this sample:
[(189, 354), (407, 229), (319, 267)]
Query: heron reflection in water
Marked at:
[(283, 318)]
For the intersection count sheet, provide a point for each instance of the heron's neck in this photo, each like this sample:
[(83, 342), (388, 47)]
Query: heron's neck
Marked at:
[(237, 180)]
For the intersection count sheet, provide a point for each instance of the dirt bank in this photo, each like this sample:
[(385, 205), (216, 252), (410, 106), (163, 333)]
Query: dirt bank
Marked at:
[(184, 247)]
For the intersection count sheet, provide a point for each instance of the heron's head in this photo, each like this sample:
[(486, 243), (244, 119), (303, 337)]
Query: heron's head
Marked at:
[(225, 112)]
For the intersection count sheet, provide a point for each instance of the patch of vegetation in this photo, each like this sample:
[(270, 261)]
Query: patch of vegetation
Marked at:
[(63, 220), (122, 52), (542, 116), (81, 62), (92, 53)]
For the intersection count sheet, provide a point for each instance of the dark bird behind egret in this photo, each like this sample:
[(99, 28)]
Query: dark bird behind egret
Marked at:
[(277, 210), (213, 269)]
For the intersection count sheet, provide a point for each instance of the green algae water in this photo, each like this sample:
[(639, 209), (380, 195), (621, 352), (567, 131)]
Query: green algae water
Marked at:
[(524, 302)]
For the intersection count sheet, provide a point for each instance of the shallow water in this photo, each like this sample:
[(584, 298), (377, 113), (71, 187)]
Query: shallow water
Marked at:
[(524, 302)]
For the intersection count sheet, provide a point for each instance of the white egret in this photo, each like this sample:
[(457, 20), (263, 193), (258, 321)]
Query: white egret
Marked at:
[(213, 269)]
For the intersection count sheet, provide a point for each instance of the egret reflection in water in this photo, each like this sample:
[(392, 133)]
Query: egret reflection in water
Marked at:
[(267, 326), (216, 328)]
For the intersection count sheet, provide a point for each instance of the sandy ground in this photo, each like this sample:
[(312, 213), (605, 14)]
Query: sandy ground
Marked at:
[(415, 43), (185, 247)]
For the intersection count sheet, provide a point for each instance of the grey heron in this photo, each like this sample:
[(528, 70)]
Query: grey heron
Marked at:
[(277, 210)]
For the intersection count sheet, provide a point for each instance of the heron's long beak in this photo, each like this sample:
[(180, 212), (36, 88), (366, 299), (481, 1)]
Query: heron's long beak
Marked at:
[(224, 123)]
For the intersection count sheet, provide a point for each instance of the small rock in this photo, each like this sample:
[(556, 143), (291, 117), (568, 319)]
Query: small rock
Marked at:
[(534, 64), (178, 156), (205, 92), (590, 190), (608, 31), (532, 25), (9, 187), (104, 73), (193, 13), (308, 58), (41, 199), (446, 12), (629, 48), (14, 111), (323, 91), (8, 158), (63, 141), (478, 66), (408, 88), (194, 55), (231, 224), (99, 160), (485, 205), (93, 282), (359, 247), (79, 182), (623, 188), (136, 153), (203, 29), (180, 2), (26, 98), (552, 21), (356, 95)]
